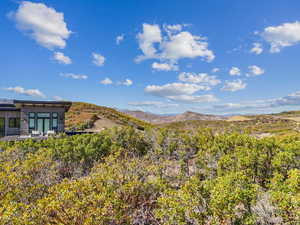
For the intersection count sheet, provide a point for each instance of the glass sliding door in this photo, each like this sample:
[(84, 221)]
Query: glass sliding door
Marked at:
[(46, 125), (2, 127), (43, 122), (43, 125), (40, 125)]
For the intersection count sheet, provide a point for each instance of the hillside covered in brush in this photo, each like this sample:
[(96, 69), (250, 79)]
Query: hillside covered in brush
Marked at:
[(160, 119), (125, 176), (82, 116)]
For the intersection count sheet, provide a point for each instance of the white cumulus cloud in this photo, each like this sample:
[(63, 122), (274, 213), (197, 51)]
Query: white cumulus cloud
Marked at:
[(74, 76), (61, 58), (193, 98), (44, 24), (255, 71), (186, 45), (234, 71), (152, 104), (127, 82), (23, 91), (174, 89), (151, 34), (119, 39), (289, 100), (284, 35), (234, 85), (98, 59), (257, 48), (201, 78), (215, 70), (172, 46), (164, 66), (106, 81), (173, 28)]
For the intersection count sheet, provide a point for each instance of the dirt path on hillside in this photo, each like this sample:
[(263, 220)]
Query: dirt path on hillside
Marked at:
[(102, 124)]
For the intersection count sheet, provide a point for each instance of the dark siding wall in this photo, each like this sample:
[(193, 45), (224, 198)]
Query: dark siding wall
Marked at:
[(7, 115)]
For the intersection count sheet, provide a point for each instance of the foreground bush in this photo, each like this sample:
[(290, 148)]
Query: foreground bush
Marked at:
[(157, 176)]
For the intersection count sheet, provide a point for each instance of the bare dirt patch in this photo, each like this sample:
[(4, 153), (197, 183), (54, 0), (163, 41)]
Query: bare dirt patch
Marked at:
[(295, 118), (102, 124), (238, 118)]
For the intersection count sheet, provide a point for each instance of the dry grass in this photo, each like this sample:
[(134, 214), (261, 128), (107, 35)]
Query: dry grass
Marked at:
[(238, 118), (101, 124), (296, 118), (82, 113)]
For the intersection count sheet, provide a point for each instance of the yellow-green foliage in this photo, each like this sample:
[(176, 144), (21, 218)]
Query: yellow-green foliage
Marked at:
[(83, 115), (156, 176)]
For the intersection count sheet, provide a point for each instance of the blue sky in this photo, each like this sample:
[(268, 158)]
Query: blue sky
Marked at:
[(211, 56)]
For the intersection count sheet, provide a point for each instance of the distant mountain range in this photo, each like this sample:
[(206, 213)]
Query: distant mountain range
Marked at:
[(158, 119)]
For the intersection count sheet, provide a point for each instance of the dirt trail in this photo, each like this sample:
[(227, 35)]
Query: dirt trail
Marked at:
[(101, 124)]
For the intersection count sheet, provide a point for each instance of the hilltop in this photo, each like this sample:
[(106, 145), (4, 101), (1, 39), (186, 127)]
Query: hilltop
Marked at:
[(91, 117), (160, 119), (83, 116)]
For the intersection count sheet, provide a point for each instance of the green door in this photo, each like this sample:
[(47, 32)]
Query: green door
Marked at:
[(2, 127), (43, 125)]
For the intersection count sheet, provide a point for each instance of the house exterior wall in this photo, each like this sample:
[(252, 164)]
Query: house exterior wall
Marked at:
[(25, 117), (7, 115)]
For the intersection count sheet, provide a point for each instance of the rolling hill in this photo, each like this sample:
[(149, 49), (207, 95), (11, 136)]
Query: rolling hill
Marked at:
[(83, 116), (160, 119)]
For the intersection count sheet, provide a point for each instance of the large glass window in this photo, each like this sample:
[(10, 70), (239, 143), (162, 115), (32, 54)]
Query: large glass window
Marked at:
[(31, 121), (14, 122), (43, 115), (54, 120), (43, 121)]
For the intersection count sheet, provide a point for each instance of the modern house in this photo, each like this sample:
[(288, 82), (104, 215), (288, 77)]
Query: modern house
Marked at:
[(22, 117)]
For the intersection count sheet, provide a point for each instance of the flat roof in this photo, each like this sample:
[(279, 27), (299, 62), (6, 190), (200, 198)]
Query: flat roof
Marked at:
[(14, 105)]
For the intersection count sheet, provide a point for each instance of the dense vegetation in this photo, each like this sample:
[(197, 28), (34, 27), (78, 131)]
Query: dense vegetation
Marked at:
[(256, 125), (82, 116), (156, 176)]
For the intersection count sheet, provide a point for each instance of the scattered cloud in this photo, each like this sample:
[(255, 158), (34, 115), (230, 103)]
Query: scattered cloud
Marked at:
[(58, 98), (255, 71), (127, 82), (257, 48), (284, 35), (181, 92), (61, 58), (186, 45), (98, 59), (201, 78), (234, 71), (151, 34), (173, 46), (174, 89), (74, 76), (42, 23), (164, 66), (28, 92), (106, 81), (193, 98), (234, 85), (289, 100), (119, 39), (173, 28), (153, 104), (215, 70)]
